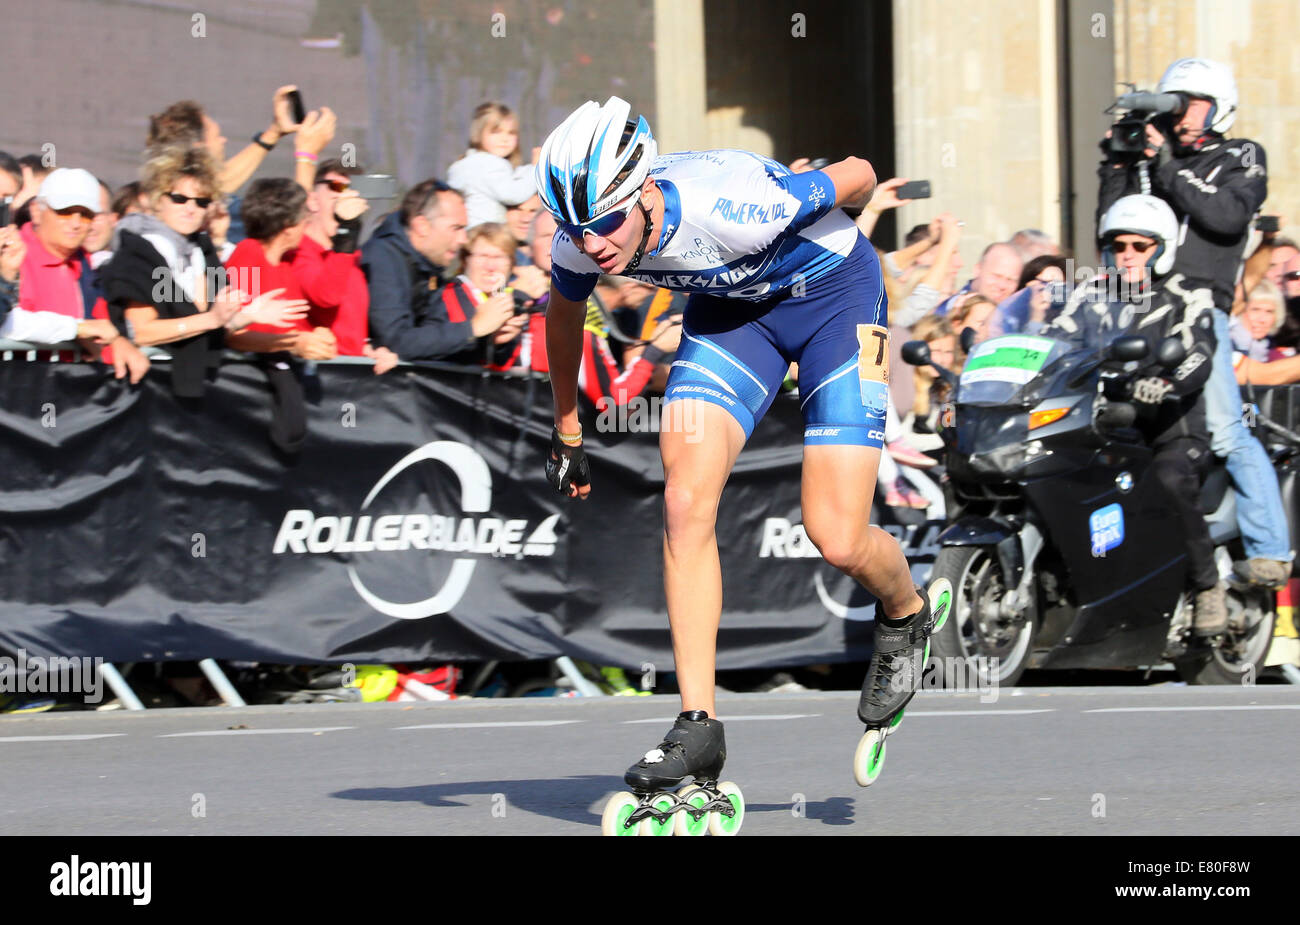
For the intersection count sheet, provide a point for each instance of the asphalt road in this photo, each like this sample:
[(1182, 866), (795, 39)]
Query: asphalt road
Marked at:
[(1078, 761)]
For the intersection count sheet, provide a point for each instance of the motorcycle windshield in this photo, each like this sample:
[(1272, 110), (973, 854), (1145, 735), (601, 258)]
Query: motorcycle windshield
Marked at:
[(998, 369)]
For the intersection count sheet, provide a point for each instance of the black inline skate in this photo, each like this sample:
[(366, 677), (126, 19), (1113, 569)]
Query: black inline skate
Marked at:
[(695, 747), (893, 677)]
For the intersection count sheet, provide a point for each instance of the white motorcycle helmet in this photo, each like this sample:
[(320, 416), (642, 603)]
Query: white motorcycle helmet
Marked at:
[(594, 161), (1208, 79), (1144, 215)]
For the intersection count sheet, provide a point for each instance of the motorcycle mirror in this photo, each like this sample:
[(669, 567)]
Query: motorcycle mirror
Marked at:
[(916, 353), (1171, 353), (1127, 349), (967, 339)]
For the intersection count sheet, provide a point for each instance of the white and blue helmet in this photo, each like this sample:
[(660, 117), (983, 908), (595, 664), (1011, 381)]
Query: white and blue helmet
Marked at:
[(595, 160)]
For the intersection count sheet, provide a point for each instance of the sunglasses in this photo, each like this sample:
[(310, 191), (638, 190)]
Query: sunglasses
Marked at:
[(201, 201), (1141, 247), (337, 186), (607, 224), (1293, 275)]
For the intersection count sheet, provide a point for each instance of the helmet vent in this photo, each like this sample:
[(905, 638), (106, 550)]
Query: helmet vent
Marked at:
[(629, 130)]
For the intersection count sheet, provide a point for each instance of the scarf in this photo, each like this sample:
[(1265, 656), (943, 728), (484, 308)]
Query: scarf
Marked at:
[(182, 254)]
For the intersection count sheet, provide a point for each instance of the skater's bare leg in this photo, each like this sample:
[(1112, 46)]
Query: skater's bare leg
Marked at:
[(838, 485), (699, 443)]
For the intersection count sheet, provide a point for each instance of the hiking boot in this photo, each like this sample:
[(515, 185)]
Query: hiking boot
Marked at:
[(1263, 573), (1210, 612)]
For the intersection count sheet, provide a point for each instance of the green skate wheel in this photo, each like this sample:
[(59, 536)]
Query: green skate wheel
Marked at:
[(683, 822), (652, 826), (940, 595), (613, 821), (894, 723), (869, 759), (722, 824)]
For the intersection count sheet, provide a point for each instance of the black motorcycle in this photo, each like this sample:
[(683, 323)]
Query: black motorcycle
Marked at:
[(1060, 548)]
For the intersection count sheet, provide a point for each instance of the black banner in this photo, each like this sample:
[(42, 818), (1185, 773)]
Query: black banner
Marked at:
[(415, 525)]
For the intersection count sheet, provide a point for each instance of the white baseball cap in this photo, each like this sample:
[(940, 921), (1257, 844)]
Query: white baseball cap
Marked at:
[(68, 187)]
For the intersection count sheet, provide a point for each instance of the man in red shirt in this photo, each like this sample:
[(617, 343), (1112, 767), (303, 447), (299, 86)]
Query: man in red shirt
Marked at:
[(57, 291), (275, 218), (327, 264)]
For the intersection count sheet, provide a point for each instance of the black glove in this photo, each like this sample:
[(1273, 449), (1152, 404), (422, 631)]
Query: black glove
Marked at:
[(348, 236), (567, 465), (1151, 390), (1116, 388)]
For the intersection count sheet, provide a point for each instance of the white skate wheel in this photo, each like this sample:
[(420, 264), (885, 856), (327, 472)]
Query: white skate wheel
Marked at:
[(652, 826), (867, 760), (683, 822), (617, 810), (721, 824)]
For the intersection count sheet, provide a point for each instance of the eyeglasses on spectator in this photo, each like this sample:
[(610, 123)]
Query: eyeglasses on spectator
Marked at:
[(201, 201)]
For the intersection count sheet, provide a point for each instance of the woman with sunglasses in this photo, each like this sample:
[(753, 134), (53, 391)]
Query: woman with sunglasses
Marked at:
[(777, 273), (165, 277)]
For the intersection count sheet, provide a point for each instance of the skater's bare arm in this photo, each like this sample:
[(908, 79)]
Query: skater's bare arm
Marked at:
[(854, 180), (564, 320), (566, 465)]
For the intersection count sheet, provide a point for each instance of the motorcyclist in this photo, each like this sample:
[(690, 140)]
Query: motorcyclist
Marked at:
[(1214, 186), (1137, 294)]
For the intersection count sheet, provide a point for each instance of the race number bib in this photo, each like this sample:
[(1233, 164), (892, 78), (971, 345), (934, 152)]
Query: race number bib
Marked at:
[(873, 368)]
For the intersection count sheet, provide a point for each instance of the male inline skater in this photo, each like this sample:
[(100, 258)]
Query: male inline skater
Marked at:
[(777, 274)]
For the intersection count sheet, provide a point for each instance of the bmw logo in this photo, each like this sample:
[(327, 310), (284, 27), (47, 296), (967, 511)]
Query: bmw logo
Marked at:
[(1124, 482)]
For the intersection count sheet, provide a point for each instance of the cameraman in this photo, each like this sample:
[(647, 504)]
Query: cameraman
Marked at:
[(1214, 188), (1139, 243)]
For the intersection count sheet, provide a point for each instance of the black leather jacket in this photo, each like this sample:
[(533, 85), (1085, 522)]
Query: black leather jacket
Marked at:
[(1173, 307), (1215, 189)]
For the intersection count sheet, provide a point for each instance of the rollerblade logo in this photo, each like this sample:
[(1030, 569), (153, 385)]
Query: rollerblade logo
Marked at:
[(307, 532)]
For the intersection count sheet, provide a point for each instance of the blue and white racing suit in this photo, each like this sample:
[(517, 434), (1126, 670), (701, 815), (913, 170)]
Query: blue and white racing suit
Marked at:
[(777, 275)]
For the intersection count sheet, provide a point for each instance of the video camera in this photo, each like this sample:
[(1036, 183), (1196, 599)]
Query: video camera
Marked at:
[(1129, 134)]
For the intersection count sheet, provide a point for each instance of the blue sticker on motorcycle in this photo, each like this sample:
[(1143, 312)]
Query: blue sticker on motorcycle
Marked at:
[(1107, 526)]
